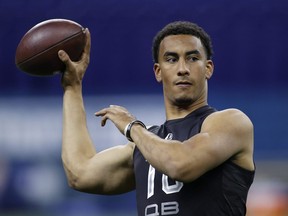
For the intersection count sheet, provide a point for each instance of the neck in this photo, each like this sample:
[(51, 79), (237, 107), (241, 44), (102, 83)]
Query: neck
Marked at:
[(176, 112)]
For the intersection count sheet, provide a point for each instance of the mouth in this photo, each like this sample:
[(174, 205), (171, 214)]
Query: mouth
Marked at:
[(183, 83)]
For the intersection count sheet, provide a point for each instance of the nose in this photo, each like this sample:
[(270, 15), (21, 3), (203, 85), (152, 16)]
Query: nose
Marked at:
[(183, 70)]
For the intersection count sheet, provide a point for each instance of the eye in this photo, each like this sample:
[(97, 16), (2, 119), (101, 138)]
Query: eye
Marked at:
[(171, 59), (192, 58)]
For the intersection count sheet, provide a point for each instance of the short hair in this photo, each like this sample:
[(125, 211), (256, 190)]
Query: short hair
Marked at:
[(179, 28)]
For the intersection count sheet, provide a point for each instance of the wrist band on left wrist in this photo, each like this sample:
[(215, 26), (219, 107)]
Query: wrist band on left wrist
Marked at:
[(127, 130)]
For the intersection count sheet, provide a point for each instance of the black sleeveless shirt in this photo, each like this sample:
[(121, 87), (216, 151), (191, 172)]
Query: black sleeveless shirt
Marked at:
[(221, 191)]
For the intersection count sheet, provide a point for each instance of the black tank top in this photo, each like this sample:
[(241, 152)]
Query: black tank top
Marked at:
[(221, 191)]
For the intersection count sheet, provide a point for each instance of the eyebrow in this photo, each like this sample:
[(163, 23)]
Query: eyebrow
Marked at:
[(197, 52), (168, 53)]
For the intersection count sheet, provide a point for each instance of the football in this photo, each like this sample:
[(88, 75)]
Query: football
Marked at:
[(37, 51)]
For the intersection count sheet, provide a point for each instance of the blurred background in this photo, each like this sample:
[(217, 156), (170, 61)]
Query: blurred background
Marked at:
[(249, 39)]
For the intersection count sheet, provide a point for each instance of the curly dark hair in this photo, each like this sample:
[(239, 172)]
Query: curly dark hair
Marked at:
[(178, 28)]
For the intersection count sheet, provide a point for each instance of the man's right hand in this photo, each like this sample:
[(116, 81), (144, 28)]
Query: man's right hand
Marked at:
[(74, 72)]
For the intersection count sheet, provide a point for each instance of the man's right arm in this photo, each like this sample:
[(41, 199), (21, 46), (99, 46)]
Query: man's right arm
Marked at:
[(106, 172)]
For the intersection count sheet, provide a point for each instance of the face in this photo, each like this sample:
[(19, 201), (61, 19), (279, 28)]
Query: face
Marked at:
[(183, 69)]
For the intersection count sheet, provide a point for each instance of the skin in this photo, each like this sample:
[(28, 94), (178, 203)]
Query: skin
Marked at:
[(183, 70)]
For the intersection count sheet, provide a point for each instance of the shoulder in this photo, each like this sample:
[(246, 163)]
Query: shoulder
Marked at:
[(231, 125), (234, 129), (232, 118)]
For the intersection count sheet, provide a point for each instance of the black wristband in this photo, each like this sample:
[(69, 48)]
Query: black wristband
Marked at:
[(128, 127)]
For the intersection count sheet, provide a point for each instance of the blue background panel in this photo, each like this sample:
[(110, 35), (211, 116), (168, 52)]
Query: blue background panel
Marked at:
[(249, 39)]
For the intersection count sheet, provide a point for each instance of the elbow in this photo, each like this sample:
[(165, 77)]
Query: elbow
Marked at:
[(180, 172), (73, 184), (73, 177), (73, 181), (78, 179)]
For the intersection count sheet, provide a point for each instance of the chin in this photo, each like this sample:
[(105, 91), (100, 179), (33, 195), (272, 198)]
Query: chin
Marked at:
[(183, 102)]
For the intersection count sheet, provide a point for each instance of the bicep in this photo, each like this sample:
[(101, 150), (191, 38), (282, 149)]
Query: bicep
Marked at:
[(224, 135), (109, 171)]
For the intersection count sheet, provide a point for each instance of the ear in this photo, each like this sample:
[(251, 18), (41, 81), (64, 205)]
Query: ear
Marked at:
[(209, 69), (157, 72)]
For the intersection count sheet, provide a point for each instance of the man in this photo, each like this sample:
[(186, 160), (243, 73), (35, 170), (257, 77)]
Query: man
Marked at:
[(199, 162)]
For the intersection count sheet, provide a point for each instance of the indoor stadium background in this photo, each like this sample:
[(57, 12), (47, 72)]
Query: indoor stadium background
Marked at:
[(250, 45)]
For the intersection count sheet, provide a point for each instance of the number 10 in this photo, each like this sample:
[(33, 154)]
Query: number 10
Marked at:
[(168, 189)]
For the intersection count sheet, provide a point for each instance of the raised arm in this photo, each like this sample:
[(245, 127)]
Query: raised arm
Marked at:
[(107, 172)]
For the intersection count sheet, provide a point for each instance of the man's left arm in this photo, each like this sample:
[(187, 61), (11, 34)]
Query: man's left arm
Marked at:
[(224, 135)]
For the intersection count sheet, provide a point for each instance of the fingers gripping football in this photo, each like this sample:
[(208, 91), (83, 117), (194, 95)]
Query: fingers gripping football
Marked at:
[(75, 71)]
